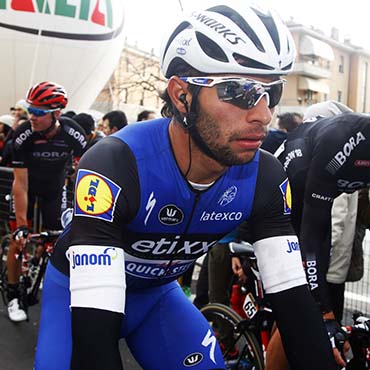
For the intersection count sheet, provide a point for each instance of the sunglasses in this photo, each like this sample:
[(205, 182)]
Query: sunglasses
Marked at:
[(241, 92), (40, 112)]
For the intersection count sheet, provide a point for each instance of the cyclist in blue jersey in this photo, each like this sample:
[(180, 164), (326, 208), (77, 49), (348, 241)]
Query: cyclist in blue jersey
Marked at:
[(153, 197)]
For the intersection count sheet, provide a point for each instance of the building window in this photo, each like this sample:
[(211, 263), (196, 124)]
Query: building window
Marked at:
[(339, 96), (341, 64)]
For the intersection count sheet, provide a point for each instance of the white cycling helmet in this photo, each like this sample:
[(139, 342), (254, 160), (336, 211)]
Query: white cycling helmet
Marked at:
[(329, 108), (235, 38)]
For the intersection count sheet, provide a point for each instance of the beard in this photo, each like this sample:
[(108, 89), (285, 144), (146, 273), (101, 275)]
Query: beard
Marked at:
[(208, 136)]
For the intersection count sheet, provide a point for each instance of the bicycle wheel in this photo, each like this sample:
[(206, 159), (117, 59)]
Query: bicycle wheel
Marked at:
[(240, 348)]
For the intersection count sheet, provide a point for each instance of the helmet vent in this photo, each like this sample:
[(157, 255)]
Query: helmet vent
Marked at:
[(211, 48), (240, 22), (287, 67), (250, 63), (270, 25), (178, 29)]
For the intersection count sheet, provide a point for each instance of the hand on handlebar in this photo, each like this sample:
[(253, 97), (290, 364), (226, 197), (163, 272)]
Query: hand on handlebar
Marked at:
[(237, 268), (20, 235), (338, 338)]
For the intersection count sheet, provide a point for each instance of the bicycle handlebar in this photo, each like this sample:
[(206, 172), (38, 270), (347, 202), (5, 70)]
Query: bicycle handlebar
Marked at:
[(362, 324), (46, 234)]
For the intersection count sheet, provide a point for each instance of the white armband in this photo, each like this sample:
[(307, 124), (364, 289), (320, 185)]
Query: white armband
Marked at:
[(280, 263), (97, 277)]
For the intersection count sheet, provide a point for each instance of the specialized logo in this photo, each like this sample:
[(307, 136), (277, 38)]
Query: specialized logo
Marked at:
[(287, 196), (218, 27), (96, 195), (92, 259), (193, 359), (210, 340), (228, 196), (149, 206), (171, 215), (341, 157)]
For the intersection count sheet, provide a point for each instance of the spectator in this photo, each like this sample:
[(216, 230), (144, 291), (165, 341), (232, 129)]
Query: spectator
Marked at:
[(145, 115), (286, 122), (69, 114), (21, 111), (114, 121), (289, 121), (6, 123), (100, 126), (86, 121)]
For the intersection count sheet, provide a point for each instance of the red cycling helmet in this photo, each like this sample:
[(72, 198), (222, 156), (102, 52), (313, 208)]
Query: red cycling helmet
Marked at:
[(47, 94)]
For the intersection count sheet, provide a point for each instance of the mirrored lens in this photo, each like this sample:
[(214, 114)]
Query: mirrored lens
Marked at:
[(38, 112), (247, 94)]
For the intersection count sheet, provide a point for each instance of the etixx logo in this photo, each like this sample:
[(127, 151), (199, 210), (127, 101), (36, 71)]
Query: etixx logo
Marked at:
[(96, 195), (171, 215)]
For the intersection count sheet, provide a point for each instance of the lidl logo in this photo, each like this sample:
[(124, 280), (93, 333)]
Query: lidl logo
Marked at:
[(96, 195), (287, 196)]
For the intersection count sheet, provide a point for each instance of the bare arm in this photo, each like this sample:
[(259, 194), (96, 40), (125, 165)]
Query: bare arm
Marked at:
[(20, 190)]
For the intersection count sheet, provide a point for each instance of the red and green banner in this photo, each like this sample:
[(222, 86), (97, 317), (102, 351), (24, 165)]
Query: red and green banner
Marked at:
[(89, 10)]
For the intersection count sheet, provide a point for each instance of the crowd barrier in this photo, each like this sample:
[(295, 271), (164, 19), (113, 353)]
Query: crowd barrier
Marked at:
[(357, 295), (6, 180)]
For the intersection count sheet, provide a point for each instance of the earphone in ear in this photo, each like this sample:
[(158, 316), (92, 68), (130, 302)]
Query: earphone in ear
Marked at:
[(183, 100)]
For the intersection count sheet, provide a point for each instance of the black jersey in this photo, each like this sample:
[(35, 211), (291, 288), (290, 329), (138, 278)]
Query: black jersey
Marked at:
[(46, 158), (324, 158)]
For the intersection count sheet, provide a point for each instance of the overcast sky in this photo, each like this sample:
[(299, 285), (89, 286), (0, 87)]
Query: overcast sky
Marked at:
[(146, 20)]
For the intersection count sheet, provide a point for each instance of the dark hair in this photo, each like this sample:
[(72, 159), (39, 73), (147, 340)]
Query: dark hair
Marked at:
[(86, 121), (183, 69), (143, 115), (289, 121), (6, 129), (69, 113), (116, 118)]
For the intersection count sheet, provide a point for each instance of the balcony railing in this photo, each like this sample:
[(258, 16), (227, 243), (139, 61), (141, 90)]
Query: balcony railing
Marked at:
[(310, 70)]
